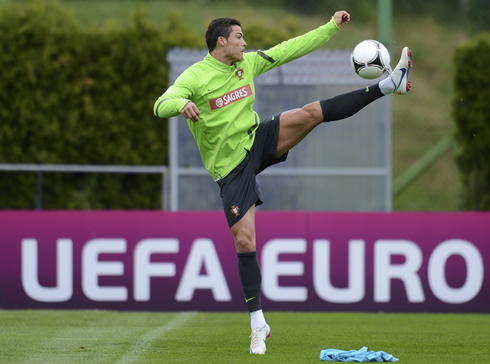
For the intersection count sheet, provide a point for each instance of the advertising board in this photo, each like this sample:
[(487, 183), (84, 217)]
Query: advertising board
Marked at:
[(310, 261)]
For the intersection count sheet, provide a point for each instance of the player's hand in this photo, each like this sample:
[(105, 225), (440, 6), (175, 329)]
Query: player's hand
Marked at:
[(190, 111), (341, 17)]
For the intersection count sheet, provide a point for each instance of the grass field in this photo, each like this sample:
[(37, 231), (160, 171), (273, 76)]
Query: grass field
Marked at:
[(45, 336)]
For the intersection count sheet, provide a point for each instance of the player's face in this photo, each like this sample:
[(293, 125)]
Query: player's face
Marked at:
[(235, 46)]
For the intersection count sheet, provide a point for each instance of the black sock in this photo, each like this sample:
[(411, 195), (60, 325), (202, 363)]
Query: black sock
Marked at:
[(249, 271), (345, 105)]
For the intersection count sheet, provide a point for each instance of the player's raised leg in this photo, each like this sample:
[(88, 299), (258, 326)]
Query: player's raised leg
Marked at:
[(296, 124)]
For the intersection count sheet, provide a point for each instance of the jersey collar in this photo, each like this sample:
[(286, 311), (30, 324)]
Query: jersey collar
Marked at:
[(219, 65)]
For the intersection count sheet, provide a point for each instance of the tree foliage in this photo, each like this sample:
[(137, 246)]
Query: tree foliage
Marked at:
[(471, 109), (76, 96)]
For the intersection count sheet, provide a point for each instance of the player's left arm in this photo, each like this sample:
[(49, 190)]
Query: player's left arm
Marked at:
[(294, 48), (341, 17)]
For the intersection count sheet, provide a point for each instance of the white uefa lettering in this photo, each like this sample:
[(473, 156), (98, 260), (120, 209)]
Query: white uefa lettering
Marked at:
[(384, 271), (355, 290), (203, 254), (474, 268), (203, 257), (63, 290), (144, 269), (92, 268), (272, 269)]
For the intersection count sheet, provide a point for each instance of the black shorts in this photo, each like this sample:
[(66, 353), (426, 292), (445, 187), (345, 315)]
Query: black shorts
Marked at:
[(239, 189)]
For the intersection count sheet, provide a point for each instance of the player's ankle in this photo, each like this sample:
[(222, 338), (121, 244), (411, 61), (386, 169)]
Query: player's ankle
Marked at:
[(387, 86), (257, 319)]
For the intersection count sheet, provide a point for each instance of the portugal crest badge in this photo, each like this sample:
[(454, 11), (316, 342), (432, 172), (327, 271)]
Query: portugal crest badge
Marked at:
[(235, 210), (239, 73)]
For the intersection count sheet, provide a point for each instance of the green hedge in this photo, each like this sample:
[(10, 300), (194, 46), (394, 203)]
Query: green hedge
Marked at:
[(76, 96), (70, 95), (471, 110)]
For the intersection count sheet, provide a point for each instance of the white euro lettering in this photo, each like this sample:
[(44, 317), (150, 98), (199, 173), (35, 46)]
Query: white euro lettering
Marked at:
[(384, 271), (354, 292), (273, 269), (474, 271)]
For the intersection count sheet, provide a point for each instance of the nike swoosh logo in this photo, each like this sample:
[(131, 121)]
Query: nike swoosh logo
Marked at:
[(404, 70), (367, 89), (249, 299)]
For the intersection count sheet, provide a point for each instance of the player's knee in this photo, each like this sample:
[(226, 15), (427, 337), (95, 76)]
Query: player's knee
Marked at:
[(244, 243), (313, 112)]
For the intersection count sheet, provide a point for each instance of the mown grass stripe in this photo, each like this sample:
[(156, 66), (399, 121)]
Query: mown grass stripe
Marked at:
[(145, 341)]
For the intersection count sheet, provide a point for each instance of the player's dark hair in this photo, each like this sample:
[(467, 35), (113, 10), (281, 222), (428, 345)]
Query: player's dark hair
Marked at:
[(221, 27)]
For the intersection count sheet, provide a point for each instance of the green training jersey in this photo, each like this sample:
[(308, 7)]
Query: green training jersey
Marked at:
[(225, 98)]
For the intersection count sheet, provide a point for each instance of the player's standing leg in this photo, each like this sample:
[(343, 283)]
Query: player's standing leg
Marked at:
[(249, 271)]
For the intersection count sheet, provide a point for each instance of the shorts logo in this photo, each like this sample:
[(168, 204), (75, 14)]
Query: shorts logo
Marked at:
[(239, 73), (231, 97), (235, 210)]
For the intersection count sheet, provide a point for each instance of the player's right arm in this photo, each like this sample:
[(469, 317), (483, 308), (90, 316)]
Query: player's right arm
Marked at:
[(177, 99)]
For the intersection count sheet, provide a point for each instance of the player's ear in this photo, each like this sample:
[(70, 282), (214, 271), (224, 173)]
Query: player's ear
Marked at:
[(221, 40)]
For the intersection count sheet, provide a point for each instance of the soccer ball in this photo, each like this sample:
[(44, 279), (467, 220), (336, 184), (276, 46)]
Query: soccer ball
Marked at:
[(370, 59)]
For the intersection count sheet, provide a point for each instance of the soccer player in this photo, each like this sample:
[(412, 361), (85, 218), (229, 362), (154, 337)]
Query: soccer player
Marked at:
[(216, 96)]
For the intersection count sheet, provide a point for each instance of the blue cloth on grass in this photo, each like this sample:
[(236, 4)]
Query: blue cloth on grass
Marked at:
[(360, 356)]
